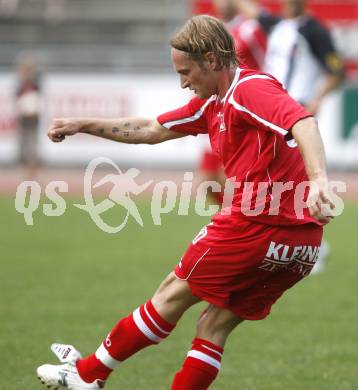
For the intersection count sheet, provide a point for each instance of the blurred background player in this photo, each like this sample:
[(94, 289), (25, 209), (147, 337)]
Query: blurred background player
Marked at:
[(28, 113), (301, 55), (250, 42), (249, 36), (300, 52)]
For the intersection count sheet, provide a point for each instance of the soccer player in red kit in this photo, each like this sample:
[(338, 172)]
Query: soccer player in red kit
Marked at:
[(243, 261)]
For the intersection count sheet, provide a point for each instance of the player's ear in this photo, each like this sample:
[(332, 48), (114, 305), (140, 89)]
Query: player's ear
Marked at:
[(213, 62)]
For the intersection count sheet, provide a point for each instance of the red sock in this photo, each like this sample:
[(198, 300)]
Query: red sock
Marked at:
[(200, 368), (142, 328)]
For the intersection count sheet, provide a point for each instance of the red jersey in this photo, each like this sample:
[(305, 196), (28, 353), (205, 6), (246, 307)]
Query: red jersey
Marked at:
[(250, 41), (249, 130)]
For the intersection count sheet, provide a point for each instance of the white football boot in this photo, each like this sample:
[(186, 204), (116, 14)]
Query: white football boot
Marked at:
[(65, 375)]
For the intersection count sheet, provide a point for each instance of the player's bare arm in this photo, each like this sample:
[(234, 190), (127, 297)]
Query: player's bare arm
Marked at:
[(308, 138), (126, 130)]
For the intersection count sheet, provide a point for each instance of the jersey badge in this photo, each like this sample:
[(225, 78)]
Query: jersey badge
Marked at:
[(222, 122)]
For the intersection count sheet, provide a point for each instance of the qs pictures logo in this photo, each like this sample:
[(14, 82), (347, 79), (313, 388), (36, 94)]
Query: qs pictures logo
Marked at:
[(124, 186)]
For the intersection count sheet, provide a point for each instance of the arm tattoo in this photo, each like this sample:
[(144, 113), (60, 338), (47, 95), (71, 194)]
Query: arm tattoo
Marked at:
[(126, 133)]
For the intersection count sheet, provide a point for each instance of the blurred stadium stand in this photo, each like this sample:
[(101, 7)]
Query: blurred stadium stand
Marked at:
[(88, 35), (109, 57), (122, 35)]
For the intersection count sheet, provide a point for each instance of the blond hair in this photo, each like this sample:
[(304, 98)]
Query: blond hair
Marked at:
[(205, 34)]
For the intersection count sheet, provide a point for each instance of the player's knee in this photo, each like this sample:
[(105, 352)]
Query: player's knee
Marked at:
[(165, 284), (216, 324), (170, 290), (173, 297)]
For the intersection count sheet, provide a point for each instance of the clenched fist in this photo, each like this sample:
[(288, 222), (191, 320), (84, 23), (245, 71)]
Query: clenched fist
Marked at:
[(64, 127)]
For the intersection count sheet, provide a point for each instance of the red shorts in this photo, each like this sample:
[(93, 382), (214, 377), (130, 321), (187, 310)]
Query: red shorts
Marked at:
[(245, 266)]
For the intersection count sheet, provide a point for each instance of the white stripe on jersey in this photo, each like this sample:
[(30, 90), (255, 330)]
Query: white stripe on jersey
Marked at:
[(193, 118), (205, 358), (233, 84), (244, 109), (255, 76), (259, 141), (259, 119)]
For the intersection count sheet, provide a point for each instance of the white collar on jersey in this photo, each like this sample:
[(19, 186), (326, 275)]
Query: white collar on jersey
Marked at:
[(236, 79)]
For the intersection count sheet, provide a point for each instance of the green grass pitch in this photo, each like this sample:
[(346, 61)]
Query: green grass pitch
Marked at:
[(64, 280)]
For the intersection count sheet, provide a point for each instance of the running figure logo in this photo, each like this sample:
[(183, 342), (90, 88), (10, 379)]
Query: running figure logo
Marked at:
[(124, 185)]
